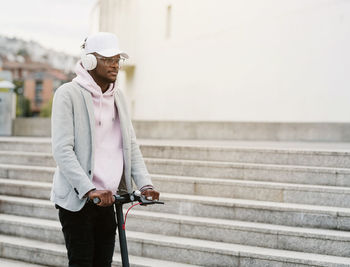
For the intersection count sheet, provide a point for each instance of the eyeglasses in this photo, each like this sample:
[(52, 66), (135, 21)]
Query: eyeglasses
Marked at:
[(111, 61)]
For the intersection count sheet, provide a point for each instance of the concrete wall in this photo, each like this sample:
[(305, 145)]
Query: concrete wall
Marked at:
[(38, 127), (242, 60), (7, 112), (331, 132)]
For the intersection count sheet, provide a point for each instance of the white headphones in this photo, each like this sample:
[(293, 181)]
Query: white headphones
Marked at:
[(88, 61)]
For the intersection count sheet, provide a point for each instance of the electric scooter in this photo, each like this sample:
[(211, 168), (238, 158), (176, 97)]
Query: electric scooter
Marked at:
[(119, 201)]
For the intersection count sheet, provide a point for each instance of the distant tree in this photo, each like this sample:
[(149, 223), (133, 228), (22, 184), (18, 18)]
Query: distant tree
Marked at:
[(22, 52), (46, 109), (23, 107), (18, 87)]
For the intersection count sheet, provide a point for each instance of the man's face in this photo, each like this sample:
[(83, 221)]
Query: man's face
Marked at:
[(107, 68)]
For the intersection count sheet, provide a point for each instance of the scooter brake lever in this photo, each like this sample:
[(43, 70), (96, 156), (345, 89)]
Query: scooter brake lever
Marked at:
[(145, 201)]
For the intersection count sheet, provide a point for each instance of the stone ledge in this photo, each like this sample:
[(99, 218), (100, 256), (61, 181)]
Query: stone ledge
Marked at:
[(215, 130)]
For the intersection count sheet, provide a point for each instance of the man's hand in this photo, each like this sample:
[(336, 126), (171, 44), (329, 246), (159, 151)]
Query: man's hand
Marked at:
[(151, 194), (105, 196)]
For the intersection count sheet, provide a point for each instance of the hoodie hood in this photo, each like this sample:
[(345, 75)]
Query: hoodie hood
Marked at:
[(85, 80)]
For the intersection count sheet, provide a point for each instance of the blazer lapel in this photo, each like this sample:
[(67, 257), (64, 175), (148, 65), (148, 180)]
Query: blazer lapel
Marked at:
[(90, 109), (125, 138), (123, 124)]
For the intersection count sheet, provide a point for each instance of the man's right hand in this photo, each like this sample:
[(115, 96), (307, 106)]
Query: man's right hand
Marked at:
[(105, 196)]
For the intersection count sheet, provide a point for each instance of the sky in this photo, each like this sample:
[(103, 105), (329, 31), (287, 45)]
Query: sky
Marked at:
[(61, 25)]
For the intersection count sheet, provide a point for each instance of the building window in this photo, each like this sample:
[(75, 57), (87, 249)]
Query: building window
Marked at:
[(168, 23), (38, 92)]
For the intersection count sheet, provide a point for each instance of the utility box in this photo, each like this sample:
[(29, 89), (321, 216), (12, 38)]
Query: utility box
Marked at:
[(7, 112)]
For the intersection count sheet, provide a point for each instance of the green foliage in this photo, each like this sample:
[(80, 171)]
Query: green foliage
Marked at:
[(18, 87), (46, 109), (23, 107), (22, 52)]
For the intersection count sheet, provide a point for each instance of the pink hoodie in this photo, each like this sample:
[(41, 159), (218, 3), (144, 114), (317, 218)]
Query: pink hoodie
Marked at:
[(108, 167)]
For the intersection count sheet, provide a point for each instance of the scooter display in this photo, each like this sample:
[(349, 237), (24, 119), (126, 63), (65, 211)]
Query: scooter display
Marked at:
[(120, 200)]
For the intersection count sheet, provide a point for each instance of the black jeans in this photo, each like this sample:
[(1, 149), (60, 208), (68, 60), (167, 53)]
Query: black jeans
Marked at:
[(89, 235)]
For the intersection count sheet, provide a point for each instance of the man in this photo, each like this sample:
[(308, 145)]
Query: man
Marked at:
[(94, 146)]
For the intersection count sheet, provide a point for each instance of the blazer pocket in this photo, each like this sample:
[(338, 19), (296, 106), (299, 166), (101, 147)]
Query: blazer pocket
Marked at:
[(61, 187)]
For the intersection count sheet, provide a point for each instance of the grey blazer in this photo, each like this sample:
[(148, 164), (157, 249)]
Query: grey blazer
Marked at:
[(73, 126)]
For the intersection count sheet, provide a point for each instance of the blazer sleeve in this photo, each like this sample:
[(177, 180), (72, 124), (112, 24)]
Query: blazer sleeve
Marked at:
[(62, 125)]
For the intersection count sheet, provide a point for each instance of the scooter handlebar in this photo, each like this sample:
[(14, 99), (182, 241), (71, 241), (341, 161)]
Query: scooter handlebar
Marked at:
[(127, 198)]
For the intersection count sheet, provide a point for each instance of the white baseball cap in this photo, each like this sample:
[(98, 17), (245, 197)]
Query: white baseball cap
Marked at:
[(105, 44)]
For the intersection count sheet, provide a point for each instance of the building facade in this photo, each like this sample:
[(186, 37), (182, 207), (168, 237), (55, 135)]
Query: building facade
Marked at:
[(241, 60), (39, 81)]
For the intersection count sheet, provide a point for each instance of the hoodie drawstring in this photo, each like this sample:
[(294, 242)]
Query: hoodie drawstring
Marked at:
[(100, 112), (100, 115)]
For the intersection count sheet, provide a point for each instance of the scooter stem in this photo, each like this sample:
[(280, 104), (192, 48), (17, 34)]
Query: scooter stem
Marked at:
[(122, 237)]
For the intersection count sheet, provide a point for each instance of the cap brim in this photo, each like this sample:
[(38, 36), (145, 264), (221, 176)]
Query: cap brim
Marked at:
[(112, 53)]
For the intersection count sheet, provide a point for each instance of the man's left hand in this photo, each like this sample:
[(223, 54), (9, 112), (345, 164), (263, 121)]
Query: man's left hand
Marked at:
[(151, 194)]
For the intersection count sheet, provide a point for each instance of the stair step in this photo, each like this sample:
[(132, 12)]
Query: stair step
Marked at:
[(248, 153), (202, 169), (32, 144), (256, 211), (265, 191), (27, 158), (30, 207), (169, 248), (25, 172), (39, 190), (250, 171), (14, 263), (327, 242), (323, 154), (254, 190), (51, 254), (321, 241), (210, 253), (234, 209)]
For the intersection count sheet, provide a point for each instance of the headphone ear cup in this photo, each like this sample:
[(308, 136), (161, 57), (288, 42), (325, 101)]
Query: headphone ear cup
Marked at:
[(89, 61)]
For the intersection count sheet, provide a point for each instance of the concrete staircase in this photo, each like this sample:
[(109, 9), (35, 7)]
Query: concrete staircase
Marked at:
[(228, 203)]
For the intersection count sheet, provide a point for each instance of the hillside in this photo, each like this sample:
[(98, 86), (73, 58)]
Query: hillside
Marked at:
[(14, 49)]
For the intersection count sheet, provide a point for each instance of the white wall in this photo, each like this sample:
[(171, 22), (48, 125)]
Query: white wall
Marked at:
[(242, 60)]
